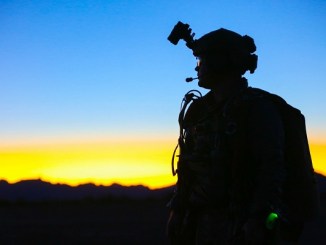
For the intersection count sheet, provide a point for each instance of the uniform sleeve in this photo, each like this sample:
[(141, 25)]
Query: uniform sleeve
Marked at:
[(266, 144)]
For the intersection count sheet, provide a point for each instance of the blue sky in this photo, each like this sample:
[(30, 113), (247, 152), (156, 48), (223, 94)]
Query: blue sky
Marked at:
[(105, 68)]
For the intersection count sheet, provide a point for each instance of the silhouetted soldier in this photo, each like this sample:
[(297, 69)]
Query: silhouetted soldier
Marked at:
[(231, 166)]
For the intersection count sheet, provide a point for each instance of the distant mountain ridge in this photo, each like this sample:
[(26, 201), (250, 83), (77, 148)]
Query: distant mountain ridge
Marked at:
[(38, 190)]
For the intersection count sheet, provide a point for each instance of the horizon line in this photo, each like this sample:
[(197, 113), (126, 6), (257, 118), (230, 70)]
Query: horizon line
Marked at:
[(85, 183), (101, 185)]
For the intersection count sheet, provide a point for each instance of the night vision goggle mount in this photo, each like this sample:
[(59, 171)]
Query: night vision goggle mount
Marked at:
[(184, 32)]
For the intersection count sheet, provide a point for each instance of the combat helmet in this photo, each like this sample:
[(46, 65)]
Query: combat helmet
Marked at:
[(224, 50)]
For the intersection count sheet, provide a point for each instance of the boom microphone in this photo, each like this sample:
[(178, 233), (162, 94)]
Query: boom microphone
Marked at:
[(190, 79)]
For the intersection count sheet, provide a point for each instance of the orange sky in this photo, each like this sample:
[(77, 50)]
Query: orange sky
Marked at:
[(146, 162)]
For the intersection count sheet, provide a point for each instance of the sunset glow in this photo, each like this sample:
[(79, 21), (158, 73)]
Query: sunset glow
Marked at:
[(318, 155), (126, 163), (104, 163), (90, 90)]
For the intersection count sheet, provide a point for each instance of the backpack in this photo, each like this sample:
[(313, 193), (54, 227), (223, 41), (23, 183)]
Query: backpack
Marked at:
[(300, 194)]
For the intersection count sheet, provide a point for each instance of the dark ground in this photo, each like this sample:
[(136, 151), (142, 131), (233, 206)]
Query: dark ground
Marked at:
[(93, 222), (101, 222)]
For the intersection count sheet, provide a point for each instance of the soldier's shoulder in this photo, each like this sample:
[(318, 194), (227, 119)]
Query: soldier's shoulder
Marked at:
[(257, 93), (198, 108), (202, 103), (259, 100)]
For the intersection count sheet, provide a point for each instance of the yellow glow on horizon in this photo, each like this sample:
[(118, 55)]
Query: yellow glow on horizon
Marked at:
[(104, 163), (318, 155)]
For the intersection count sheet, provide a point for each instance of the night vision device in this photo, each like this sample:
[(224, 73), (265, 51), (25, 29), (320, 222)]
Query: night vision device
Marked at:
[(184, 32)]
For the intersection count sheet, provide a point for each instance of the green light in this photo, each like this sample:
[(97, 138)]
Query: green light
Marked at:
[(271, 220)]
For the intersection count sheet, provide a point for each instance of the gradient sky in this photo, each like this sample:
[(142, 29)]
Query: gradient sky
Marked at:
[(90, 90)]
